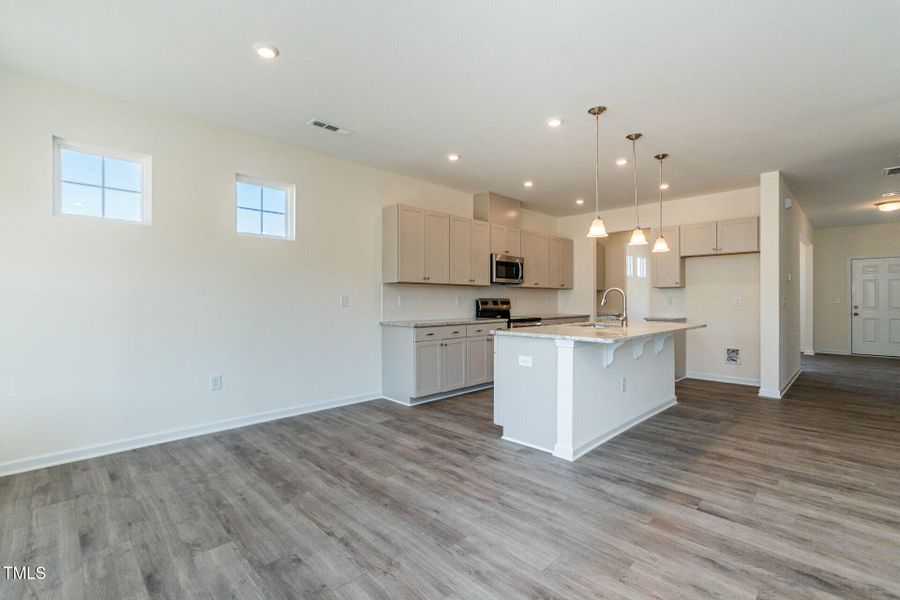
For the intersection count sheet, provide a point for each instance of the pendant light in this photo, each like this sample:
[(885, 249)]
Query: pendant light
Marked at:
[(637, 236), (660, 245), (598, 229)]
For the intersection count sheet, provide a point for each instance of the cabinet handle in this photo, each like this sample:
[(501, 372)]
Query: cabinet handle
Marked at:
[(455, 332), (429, 334)]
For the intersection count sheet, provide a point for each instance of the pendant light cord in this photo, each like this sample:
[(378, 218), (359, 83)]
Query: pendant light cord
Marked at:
[(637, 222), (660, 197), (597, 164)]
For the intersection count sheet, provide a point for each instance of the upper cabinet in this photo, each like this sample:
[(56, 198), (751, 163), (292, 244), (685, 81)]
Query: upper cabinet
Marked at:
[(470, 252), (535, 253), (415, 245), (424, 246), (505, 240), (738, 235), (734, 236), (561, 268), (668, 267)]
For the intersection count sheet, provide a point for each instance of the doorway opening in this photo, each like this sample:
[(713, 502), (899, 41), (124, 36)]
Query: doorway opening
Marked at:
[(806, 298)]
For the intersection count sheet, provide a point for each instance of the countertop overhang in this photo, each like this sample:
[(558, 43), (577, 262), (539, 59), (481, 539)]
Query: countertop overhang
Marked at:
[(599, 335)]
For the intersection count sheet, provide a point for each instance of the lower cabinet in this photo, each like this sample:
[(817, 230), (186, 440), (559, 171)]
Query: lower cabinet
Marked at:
[(418, 362), (480, 360)]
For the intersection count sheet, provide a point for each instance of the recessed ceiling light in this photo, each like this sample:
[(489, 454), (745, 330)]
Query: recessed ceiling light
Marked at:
[(664, 186), (554, 122), (265, 51), (888, 205), (528, 183), (890, 194), (579, 202), (622, 161), (453, 157)]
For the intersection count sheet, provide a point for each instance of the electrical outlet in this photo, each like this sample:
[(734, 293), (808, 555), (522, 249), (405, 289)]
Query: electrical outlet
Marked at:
[(624, 384), (344, 301), (838, 300), (215, 383), (669, 300), (524, 361), (456, 300), (399, 300), (738, 301)]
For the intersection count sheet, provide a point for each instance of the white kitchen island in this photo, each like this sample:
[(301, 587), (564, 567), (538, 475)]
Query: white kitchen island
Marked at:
[(566, 389)]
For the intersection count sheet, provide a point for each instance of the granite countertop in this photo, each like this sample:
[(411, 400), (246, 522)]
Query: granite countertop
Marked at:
[(601, 335), (667, 319), (469, 320)]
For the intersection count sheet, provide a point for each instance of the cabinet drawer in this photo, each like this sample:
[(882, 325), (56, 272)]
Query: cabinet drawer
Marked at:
[(440, 333), (480, 329)]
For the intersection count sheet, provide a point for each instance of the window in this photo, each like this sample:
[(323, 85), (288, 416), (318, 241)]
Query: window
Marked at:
[(100, 183), (264, 208)]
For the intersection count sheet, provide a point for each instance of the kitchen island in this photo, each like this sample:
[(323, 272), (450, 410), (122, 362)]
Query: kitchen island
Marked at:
[(566, 389)]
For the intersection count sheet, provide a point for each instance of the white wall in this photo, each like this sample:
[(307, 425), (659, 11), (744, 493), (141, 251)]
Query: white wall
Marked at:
[(110, 331), (711, 284), (833, 249), (781, 231)]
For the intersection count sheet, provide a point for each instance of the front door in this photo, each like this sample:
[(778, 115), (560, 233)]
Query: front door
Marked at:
[(875, 302)]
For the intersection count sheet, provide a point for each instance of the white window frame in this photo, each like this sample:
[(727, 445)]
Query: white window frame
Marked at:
[(289, 190), (144, 160)]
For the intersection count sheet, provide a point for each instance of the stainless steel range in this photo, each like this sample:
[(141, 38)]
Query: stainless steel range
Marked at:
[(500, 308)]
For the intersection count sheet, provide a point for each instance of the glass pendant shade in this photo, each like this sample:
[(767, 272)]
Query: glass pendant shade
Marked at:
[(638, 238), (661, 245), (598, 229)]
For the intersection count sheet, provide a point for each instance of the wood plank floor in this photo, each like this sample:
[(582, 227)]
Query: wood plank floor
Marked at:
[(723, 496)]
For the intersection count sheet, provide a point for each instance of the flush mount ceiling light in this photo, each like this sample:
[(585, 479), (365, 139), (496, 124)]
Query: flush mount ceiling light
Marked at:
[(622, 162), (579, 202), (888, 205), (598, 228), (637, 236), (453, 157), (528, 184), (554, 122), (661, 245), (266, 51)]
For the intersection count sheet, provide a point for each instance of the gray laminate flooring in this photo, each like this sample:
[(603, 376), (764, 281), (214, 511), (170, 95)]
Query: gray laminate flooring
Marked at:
[(723, 496)]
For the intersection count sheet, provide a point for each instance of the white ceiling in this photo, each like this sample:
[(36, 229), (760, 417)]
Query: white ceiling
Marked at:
[(729, 88)]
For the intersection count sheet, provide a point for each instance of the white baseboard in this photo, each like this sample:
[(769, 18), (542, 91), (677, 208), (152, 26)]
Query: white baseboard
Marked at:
[(521, 443), (466, 390), (722, 378), (790, 382), (771, 393), (41, 461), (605, 437)]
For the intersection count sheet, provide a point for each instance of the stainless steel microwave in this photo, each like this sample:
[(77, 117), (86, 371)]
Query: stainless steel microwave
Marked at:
[(507, 269)]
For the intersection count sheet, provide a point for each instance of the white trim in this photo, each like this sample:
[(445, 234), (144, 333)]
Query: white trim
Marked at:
[(605, 437), (832, 351), (722, 378), (290, 201), (808, 353), (41, 461), (145, 160), (442, 395), (521, 443), (790, 382), (682, 378)]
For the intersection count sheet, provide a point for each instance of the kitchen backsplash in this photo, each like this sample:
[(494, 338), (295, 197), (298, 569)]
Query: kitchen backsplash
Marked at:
[(438, 301)]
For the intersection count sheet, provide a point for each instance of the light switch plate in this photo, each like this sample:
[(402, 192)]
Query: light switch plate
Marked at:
[(215, 383), (344, 301), (524, 361)]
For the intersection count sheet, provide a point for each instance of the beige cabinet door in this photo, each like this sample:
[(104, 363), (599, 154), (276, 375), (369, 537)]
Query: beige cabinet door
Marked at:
[(460, 251), (411, 245), (554, 263), (489, 359), (428, 367), (567, 263), (505, 240), (699, 239), (668, 267), (481, 253), (476, 349), (453, 364), (537, 262), (437, 247), (738, 235)]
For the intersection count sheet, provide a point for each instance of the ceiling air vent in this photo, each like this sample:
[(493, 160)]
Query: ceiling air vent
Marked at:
[(329, 127), (891, 171)]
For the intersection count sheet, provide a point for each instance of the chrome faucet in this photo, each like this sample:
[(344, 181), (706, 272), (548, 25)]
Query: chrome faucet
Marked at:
[(623, 320)]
